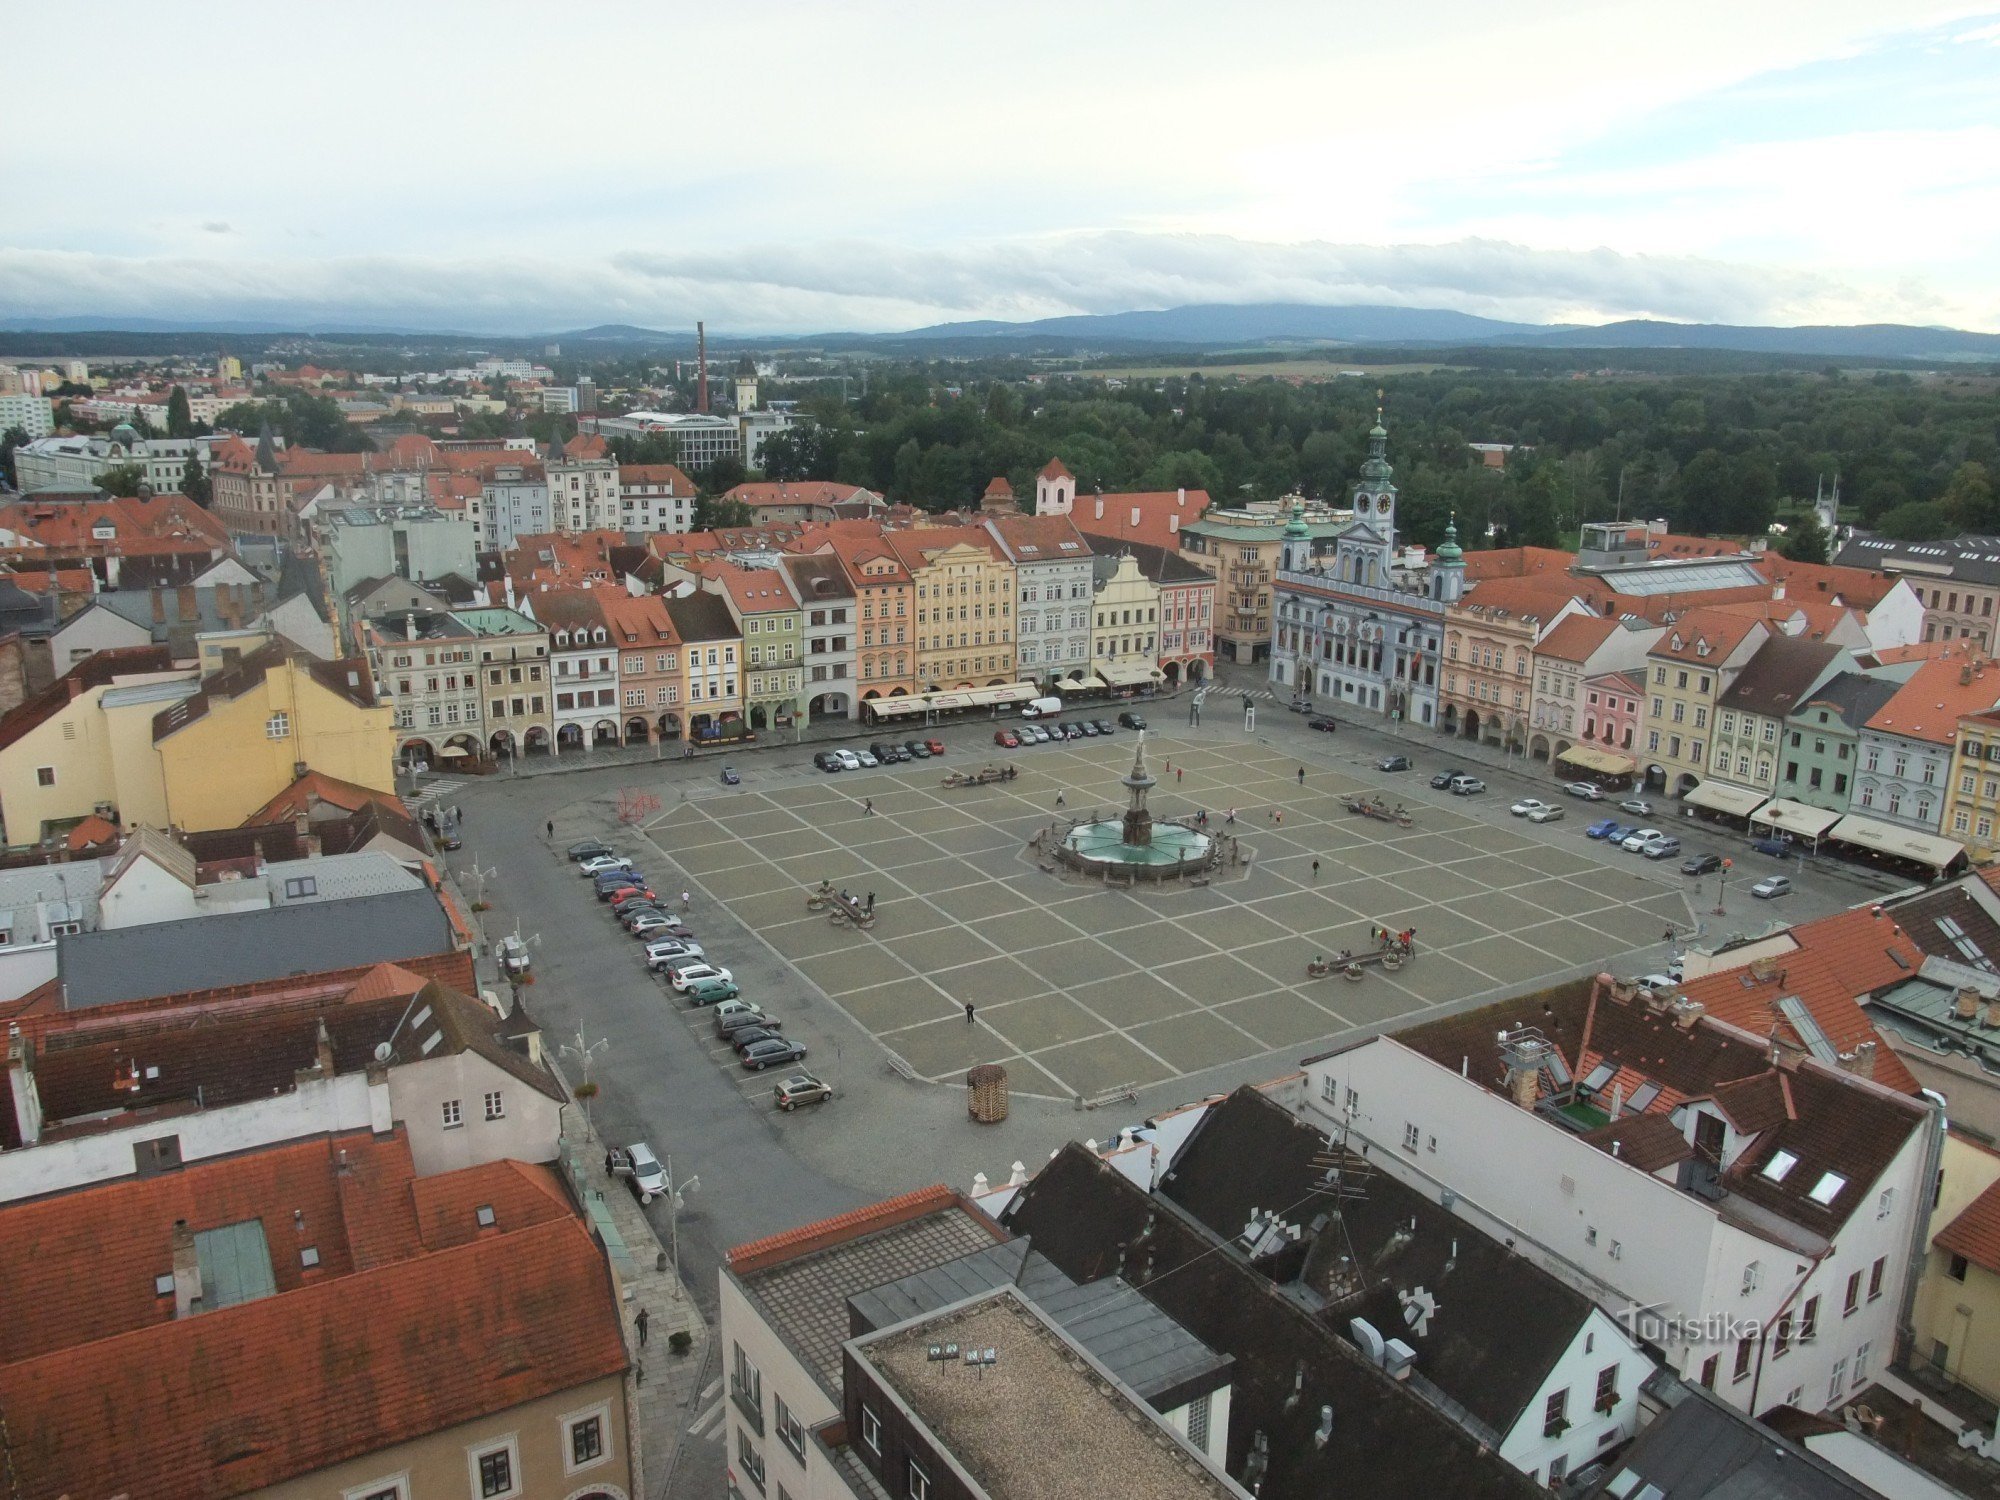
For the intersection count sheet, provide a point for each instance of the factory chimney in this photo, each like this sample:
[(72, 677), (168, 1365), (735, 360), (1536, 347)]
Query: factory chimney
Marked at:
[(701, 372)]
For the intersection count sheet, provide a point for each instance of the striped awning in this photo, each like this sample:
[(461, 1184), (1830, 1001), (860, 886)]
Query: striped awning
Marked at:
[(1723, 797), (1901, 843), (1603, 762)]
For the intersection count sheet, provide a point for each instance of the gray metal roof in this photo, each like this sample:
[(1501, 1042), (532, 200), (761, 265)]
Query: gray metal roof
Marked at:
[(165, 958), (1702, 1450), (1677, 577), (1141, 1345), (1967, 559)]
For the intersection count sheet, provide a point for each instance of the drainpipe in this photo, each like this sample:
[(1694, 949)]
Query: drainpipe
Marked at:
[(1757, 1379), (1920, 1229)]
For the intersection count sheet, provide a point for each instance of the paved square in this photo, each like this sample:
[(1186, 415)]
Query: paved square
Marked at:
[(1081, 989)]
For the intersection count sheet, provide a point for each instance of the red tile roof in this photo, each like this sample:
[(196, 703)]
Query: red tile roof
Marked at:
[(1975, 1233), (1576, 636), (1537, 598), (806, 1238), (806, 492), (1957, 681), (1516, 562), (670, 475), (1159, 515), (1858, 588), (754, 591), (1055, 469), (1721, 634)]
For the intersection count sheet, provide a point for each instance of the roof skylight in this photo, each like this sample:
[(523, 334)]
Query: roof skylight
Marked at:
[(1779, 1164)]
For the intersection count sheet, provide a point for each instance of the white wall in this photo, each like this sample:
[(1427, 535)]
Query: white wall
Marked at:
[(418, 1090), (24, 967), (741, 1325), (1600, 1342), (1898, 620), (1217, 1447), (91, 631), (144, 894)]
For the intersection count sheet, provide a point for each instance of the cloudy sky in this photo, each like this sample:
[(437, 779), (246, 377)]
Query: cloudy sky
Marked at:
[(874, 164)]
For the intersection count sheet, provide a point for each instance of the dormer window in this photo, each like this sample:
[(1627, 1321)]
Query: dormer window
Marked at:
[(1701, 648), (1827, 1189), (1780, 1163), (1676, 642)]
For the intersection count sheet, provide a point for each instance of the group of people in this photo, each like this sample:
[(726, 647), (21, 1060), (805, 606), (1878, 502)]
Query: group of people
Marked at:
[(1406, 940)]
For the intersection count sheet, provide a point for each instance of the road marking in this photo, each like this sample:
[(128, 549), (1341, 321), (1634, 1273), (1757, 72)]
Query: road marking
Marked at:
[(700, 1423), (709, 1391)]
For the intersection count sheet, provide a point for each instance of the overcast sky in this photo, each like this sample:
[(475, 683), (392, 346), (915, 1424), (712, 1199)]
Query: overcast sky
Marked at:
[(875, 165)]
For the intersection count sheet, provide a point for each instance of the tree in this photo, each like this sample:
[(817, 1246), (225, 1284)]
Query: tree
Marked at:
[(712, 513), (194, 483), (11, 439), (1968, 498), (1916, 521), (124, 479), (180, 423), (1807, 541), (721, 476)]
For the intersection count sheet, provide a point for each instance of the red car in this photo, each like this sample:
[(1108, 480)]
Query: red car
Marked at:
[(1006, 739), (624, 894), (936, 747)]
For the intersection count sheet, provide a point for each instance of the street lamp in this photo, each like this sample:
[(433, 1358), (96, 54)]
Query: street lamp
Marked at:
[(676, 1201), (1721, 882), (584, 1052)]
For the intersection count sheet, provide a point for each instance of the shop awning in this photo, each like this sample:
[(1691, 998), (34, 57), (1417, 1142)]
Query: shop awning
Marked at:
[(894, 708), (1013, 692), (1722, 797), (1087, 684), (1130, 673), (451, 752), (1901, 843), (1795, 818), (1603, 762)]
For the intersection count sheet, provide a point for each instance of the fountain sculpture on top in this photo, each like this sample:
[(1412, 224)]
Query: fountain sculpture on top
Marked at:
[(1134, 846)]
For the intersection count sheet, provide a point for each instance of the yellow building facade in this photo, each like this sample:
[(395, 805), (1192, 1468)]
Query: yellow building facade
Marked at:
[(965, 607), (1972, 790), (1955, 1320), (1124, 623)]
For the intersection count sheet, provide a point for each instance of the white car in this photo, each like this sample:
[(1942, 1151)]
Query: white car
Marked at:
[(866, 757), (1639, 807), (602, 863), (1527, 807), (1585, 790), (1639, 838), (683, 975), (1660, 982), (1772, 885), (642, 1171), (1545, 815), (849, 761), (663, 953)]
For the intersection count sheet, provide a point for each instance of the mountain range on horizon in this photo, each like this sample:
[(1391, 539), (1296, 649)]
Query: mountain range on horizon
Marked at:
[(1205, 326)]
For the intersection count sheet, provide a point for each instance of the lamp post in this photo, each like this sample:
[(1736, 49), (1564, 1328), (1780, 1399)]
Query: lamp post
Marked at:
[(676, 1201), (584, 1052), (1721, 883)]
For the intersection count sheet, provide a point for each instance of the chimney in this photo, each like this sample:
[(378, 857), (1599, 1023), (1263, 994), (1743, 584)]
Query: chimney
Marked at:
[(159, 607), (1173, 525), (1525, 1086), (187, 1271), (1966, 1005), (1687, 1012), (1180, 498), (323, 1051), (1135, 518), (1993, 1013), (1100, 508), (21, 1085), (701, 376), (1861, 1061), (1778, 589), (1965, 675)]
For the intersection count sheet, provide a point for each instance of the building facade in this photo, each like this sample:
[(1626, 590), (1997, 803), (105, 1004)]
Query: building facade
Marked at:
[(711, 683), (964, 602), (583, 666), (513, 654), (649, 667), (1053, 589), (583, 484), (1822, 744), (1693, 663), (1908, 746), (425, 671), (1751, 716), (1957, 581), (832, 614), (654, 497), (1124, 623)]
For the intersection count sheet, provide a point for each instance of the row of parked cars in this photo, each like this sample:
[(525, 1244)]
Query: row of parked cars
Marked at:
[(1047, 734), (671, 951), (881, 753)]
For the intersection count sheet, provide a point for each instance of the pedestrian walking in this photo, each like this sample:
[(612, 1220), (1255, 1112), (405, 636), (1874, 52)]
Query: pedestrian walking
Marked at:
[(1302, 775), (1180, 775), (687, 900), (871, 903), (610, 1165), (968, 1012), (642, 1320), (1315, 869), (1228, 821), (867, 807), (1061, 800), (1278, 818), (552, 827)]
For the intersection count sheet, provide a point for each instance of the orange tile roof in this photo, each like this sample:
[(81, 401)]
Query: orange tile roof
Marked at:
[(586, 447), (92, 831), (789, 1244), (1055, 469), (917, 546), (754, 591), (670, 475), (1720, 633), (1929, 706), (638, 620), (1516, 562), (1975, 1233), (316, 787), (1890, 656), (1539, 598), (1576, 636), (798, 492), (1858, 588), (1161, 514), (1807, 619)]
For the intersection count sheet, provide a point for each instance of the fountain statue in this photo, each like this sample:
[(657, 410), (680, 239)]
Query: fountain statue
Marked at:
[(1133, 845)]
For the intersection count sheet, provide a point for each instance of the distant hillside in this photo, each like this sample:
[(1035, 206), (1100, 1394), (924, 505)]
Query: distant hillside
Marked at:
[(1879, 340), (1255, 322)]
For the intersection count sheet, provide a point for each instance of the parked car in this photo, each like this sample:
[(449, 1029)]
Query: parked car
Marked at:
[(618, 880), (1659, 981), (1585, 790), (1006, 739), (624, 896), (1322, 723), (866, 757), (1777, 848), (651, 924), (765, 1054), (1638, 838), (799, 1090), (1639, 807), (1527, 805), (849, 761), (1090, 730), (597, 864), (1442, 780), (1466, 786), (682, 976), (1666, 846), (883, 753), (828, 760), (1035, 732), (1131, 720), (737, 1016), (1394, 763), (665, 953), (916, 750), (1104, 726), (737, 1007), (1602, 829), (936, 747), (1701, 864), (746, 1037), (1546, 815), (641, 1170), (711, 991), (591, 849), (1772, 885)]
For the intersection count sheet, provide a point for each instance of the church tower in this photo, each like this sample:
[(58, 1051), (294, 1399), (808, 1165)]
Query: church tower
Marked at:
[(1448, 568), (1055, 490), (1295, 555), (1375, 492)]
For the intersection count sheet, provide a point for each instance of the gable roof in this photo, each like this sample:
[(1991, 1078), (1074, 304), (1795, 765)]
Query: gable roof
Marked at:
[(1575, 637), (1975, 1233), (1501, 1323), (1854, 696), (1160, 565), (1386, 1441), (348, 678), (1778, 675), (1951, 684), (1719, 633), (94, 671), (1154, 517)]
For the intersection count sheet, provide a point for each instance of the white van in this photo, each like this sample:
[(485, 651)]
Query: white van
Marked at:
[(1042, 708)]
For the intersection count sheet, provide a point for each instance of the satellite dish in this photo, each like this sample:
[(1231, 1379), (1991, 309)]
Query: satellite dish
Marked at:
[(383, 1052)]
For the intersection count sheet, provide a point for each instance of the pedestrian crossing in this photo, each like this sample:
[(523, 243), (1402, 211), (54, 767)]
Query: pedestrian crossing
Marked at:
[(438, 789)]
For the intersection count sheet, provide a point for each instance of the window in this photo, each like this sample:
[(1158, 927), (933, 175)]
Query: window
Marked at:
[(1875, 1276), (1558, 1467), (1827, 1188), (1780, 1163), (586, 1440), (1709, 1368), (1809, 1321), (1607, 1389), (278, 726), (791, 1431), (871, 1431), (1885, 1203), (1836, 1382), (1753, 1277), (1957, 1269), (45, 775), (746, 1388), (1410, 1137), (301, 886), (1555, 1414), (920, 1483), (1853, 1295), (1197, 1420), (495, 1471), (1782, 1341), (495, 1108), (750, 1459), (397, 1488), (1745, 1349), (1861, 1363), (453, 1117)]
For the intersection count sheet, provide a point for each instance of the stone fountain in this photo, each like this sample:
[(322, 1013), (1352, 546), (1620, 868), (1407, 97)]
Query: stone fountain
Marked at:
[(1134, 845)]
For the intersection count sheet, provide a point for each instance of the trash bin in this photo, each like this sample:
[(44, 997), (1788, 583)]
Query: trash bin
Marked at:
[(986, 1093)]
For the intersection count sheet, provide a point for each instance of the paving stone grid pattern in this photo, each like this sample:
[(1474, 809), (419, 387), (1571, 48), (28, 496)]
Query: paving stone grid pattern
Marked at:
[(1078, 989)]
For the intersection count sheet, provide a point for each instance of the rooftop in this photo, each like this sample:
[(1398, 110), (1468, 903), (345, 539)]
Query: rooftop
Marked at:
[(1039, 1423), (1781, 672), (1940, 692), (1702, 1449)]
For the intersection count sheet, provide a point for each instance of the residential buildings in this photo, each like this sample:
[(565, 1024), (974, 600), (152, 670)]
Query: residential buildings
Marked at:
[(832, 612), (1585, 690), (1054, 586), (33, 415), (1695, 661), (1489, 659), (425, 669), (772, 626), (513, 500), (1746, 1208), (798, 501), (1907, 745), (1751, 714), (77, 463), (583, 484), (964, 604), (1823, 739), (711, 681), (654, 497), (513, 655), (417, 542), (177, 617), (1958, 1299), (1956, 580), (649, 670), (199, 1327), (1185, 646), (1124, 623), (583, 665), (1972, 789), (1242, 549), (885, 652)]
